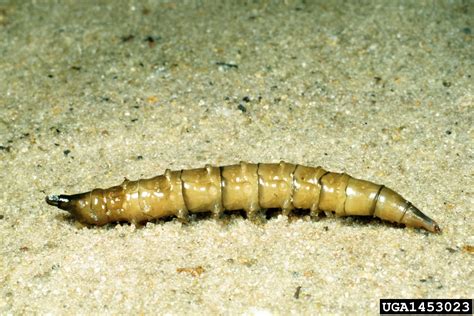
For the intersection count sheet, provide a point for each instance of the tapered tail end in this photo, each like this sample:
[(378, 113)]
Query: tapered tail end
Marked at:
[(436, 228), (416, 218)]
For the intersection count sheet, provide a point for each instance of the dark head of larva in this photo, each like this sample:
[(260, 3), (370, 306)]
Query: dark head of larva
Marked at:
[(60, 201), (76, 204)]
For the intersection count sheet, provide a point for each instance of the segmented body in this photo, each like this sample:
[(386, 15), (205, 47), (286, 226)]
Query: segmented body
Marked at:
[(244, 186)]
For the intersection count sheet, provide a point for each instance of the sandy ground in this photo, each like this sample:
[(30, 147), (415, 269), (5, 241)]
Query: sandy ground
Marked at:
[(90, 94)]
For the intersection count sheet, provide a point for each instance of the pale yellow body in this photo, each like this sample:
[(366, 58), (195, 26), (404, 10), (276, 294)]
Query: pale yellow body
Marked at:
[(245, 186)]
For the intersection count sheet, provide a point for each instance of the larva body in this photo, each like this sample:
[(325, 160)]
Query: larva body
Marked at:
[(245, 186)]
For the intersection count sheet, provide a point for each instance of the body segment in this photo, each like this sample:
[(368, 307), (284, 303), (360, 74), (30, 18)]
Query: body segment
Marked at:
[(244, 186)]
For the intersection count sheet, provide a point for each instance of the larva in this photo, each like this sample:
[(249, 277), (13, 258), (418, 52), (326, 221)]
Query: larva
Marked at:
[(244, 186)]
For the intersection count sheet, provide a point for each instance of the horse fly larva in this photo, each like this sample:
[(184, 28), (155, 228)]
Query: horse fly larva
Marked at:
[(244, 186)]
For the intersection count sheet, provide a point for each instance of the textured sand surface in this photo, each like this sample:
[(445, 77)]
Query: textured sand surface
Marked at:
[(90, 94)]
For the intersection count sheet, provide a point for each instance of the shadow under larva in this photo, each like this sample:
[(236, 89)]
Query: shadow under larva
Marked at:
[(244, 186)]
